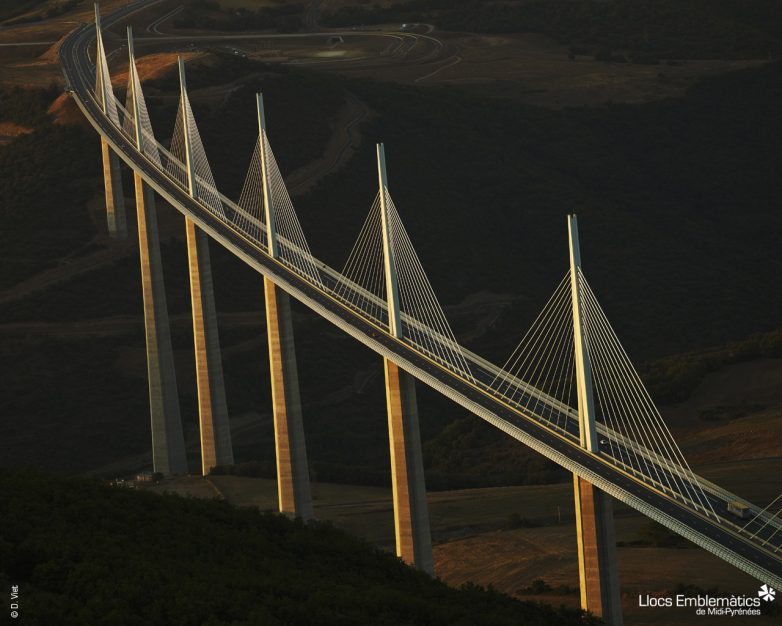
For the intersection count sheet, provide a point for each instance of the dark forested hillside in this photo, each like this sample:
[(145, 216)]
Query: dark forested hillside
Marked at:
[(85, 553), (45, 180)]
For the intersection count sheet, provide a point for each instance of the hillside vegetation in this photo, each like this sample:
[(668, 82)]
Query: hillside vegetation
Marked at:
[(85, 553), (46, 178)]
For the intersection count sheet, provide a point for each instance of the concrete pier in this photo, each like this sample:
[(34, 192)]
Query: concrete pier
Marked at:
[(216, 447), (597, 570), (293, 479), (112, 178), (115, 201), (598, 573), (411, 512), (168, 443)]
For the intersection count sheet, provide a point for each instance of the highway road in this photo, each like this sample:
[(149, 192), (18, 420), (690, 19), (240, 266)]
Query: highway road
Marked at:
[(716, 532)]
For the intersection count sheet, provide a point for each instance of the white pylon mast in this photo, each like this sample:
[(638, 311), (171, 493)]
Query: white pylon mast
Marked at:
[(392, 286), (191, 176), (99, 60), (586, 400), (271, 226), (132, 74)]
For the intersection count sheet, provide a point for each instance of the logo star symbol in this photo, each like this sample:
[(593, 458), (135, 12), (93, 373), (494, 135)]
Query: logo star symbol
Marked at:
[(767, 593)]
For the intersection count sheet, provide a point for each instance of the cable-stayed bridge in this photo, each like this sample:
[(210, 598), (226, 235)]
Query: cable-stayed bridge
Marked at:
[(569, 390)]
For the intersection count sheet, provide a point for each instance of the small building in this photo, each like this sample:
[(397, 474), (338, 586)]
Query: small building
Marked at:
[(144, 477)]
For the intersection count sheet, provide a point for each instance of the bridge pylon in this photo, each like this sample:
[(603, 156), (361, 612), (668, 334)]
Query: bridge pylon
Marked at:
[(112, 175), (215, 429), (597, 569), (411, 511), (168, 443), (293, 480)]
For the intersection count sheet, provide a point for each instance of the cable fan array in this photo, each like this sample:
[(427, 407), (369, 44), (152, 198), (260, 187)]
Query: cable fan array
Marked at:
[(293, 248), (248, 215), (626, 408), (154, 150), (104, 92), (363, 286), (175, 161), (252, 219), (362, 282), (539, 375), (423, 320), (149, 145), (766, 526), (204, 188)]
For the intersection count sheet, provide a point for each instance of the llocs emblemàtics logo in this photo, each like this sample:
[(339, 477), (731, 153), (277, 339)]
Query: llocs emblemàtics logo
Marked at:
[(705, 604)]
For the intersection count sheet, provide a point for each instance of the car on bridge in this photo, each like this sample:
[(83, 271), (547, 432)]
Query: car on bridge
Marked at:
[(739, 509)]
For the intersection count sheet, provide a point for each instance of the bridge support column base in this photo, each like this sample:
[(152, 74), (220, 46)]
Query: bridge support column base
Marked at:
[(168, 443), (216, 446), (293, 479), (115, 200), (598, 574), (411, 513)]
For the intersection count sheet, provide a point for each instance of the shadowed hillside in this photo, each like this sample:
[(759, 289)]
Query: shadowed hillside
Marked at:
[(85, 553)]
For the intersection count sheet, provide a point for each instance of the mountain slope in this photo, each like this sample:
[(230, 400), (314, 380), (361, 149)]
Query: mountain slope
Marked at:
[(86, 553)]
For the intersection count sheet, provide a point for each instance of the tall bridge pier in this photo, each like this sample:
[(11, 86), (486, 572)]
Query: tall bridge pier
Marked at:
[(411, 511), (168, 444), (293, 480), (112, 177), (597, 570), (116, 219), (216, 446)]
